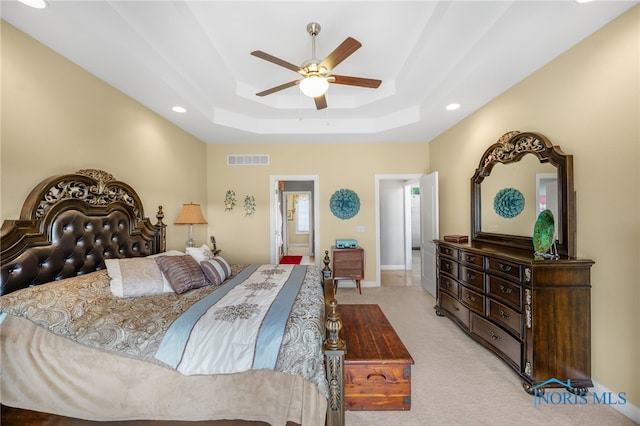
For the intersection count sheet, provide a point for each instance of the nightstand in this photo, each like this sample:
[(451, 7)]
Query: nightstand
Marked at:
[(348, 264)]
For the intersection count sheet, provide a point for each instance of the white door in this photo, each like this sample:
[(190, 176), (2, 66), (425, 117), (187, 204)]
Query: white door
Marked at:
[(428, 230)]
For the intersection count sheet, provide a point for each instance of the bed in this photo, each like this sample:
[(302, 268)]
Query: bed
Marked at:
[(100, 323)]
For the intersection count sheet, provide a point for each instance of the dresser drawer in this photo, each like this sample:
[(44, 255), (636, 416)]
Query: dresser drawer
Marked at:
[(505, 316), (448, 251), (473, 300), (347, 272), (454, 307), (505, 267), (474, 259), (449, 266), (498, 338), (472, 278), (505, 291), (449, 285), (347, 256), (377, 386)]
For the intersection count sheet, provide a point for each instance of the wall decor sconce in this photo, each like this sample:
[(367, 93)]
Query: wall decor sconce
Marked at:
[(249, 205), (191, 214), (229, 200), (344, 204)]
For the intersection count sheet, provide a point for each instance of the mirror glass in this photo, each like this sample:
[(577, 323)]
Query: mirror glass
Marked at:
[(536, 182)]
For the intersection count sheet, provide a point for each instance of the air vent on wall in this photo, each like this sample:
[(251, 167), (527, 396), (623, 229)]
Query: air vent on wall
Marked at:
[(248, 160)]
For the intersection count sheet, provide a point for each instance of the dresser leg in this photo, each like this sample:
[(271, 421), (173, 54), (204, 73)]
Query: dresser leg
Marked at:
[(358, 284)]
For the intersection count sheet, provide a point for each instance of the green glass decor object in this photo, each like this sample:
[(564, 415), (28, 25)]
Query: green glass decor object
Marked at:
[(543, 232), (344, 204), (508, 203)]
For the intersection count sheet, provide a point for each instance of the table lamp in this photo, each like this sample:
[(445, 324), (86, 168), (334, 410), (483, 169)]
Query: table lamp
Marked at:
[(190, 215)]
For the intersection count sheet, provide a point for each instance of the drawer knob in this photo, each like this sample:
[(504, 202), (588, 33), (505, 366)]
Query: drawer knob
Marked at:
[(447, 284), (456, 308), (471, 276), (505, 290), (471, 258), (494, 336), (503, 267), (471, 298), (503, 314)]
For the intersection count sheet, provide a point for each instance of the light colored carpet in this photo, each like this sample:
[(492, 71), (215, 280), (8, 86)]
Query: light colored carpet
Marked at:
[(455, 381)]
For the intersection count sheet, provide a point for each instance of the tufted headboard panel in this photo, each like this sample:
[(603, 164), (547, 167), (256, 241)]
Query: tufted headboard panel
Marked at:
[(69, 225)]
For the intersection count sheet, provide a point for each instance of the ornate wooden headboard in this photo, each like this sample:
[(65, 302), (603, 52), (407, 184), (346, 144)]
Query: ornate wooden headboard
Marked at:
[(69, 224)]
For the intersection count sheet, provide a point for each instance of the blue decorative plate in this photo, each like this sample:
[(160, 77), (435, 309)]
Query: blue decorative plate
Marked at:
[(508, 203), (544, 232), (344, 204)]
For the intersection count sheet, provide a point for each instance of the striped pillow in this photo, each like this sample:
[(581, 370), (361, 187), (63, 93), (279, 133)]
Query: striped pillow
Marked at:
[(182, 272), (216, 270)]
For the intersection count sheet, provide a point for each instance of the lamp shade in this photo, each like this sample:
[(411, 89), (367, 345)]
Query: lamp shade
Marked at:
[(191, 214)]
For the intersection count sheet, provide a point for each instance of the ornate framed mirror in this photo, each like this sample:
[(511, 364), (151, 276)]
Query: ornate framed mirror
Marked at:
[(519, 176)]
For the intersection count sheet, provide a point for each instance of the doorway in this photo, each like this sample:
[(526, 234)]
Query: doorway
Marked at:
[(396, 221), (287, 235), (297, 229)]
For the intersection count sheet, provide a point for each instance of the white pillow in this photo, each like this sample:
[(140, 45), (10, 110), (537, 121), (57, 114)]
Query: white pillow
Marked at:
[(135, 277), (200, 254)]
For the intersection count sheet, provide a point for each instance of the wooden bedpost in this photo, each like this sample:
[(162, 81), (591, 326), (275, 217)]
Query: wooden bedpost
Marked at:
[(161, 236), (334, 351)]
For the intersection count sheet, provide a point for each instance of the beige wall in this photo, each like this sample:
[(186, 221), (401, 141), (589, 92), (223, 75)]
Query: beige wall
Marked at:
[(57, 118), (588, 102), (246, 238)]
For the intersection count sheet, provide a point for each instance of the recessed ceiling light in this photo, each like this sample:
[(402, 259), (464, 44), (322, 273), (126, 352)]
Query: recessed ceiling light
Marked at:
[(179, 109), (37, 4), (452, 107)]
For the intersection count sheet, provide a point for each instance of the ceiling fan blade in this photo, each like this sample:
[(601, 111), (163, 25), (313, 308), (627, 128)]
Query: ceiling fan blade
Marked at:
[(262, 55), (341, 53), (321, 102), (356, 81), (278, 88)]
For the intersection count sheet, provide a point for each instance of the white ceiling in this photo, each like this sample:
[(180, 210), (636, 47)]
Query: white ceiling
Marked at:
[(197, 54)]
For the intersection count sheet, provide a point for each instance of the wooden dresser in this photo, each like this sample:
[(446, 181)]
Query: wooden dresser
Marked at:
[(533, 313), (377, 365), (348, 264)]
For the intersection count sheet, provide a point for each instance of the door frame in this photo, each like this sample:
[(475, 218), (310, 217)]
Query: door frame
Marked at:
[(407, 177), (273, 215)]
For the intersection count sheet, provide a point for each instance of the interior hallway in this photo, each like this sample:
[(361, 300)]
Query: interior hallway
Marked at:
[(402, 277)]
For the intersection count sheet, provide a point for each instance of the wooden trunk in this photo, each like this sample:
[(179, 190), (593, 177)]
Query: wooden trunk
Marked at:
[(377, 370)]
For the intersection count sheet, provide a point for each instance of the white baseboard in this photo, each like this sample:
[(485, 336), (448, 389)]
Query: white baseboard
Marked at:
[(391, 267), (628, 409)]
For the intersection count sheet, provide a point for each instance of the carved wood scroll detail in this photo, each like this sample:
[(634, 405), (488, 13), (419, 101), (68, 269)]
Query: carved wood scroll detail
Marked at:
[(507, 149), (105, 191)]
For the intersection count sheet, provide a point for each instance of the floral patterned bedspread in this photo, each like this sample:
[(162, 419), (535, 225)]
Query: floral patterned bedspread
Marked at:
[(84, 310)]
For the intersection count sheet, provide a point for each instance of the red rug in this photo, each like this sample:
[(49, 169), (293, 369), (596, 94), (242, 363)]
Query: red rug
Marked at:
[(290, 260)]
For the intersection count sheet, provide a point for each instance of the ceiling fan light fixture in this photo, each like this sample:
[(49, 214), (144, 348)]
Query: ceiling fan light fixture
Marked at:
[(314, 86)]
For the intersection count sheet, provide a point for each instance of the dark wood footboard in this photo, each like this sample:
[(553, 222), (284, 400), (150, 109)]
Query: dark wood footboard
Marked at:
[(334, 351)]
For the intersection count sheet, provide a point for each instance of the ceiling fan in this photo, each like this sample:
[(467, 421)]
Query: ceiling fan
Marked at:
[(316, 72)]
